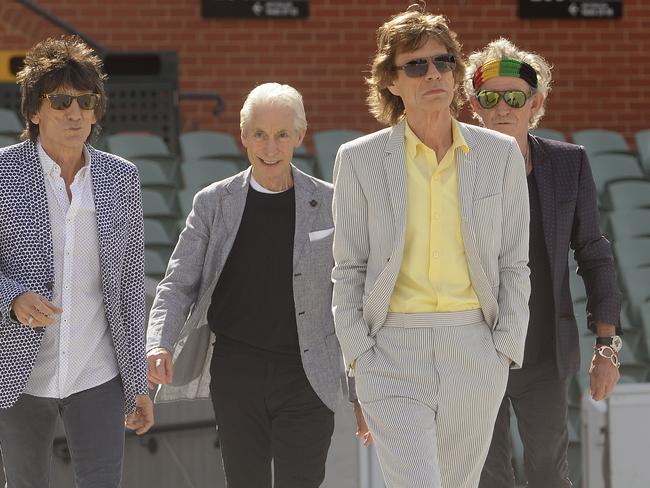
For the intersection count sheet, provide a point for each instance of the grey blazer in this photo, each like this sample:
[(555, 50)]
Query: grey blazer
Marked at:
[(178, 319), (370, 217)]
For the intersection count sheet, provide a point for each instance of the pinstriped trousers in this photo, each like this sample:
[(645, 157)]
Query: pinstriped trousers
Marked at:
[(430, 389)]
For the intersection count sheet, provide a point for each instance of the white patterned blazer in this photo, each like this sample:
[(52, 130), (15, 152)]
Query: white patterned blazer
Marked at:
[(370, 221), (26, 263)]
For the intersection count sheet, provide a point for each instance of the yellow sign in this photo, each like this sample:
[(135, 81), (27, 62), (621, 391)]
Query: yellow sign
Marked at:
[(10, 63)]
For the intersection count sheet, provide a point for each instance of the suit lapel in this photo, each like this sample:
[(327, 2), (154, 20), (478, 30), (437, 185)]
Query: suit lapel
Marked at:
[(104, 198), (467, 170), (34, 184), (307, 207), (234, 202), (545, 181), (395, 167)]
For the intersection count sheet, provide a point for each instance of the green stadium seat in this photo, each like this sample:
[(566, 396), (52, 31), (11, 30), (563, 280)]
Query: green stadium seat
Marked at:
[(7, 141), (210, 144), (155, 263), (10, 124), (327, 144), (632, 252), (154, 173), (549, 134), (159, 232), (132, 146), (598, 141), (203, 172), (306, 165), (642, 139), (609, 167), (622, 224), (632, 193), (159, 203), (185, 199), (635, 288)]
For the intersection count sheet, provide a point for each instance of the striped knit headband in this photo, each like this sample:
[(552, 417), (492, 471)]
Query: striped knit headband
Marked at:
[(505, 67)]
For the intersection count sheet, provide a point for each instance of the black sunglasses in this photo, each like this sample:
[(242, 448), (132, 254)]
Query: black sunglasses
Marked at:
[(417, 68), (61, 101), (513, 98)]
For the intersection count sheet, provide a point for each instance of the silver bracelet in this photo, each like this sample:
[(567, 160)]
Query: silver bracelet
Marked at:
[(608, 353)]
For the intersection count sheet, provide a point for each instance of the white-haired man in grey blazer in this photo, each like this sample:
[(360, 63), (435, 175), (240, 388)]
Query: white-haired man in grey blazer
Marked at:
[(252, 269), (430, 247)]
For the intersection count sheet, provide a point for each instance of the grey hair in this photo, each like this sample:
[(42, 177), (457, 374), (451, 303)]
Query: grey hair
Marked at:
[(274, 94), (503, 48)]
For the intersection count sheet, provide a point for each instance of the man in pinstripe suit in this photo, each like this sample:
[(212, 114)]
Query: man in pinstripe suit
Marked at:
[(431, 245), (508, 89)]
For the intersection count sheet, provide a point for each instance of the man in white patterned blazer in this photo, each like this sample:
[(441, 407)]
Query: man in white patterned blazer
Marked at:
[(71, 279), (430, 247)]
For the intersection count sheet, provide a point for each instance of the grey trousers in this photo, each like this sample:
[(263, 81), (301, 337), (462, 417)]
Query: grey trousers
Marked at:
[(94, 426), (539, 399), (430, 390)]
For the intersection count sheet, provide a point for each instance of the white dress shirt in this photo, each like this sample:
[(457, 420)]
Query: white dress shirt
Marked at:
[(77, 352)]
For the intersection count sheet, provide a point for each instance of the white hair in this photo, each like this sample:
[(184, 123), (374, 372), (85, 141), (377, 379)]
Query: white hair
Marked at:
[(274, 94), (503, 48)]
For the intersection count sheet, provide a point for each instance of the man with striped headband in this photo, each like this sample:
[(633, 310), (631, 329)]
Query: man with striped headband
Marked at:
[(507, 89)]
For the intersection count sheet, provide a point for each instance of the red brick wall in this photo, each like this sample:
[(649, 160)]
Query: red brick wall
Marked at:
[(602, 68)]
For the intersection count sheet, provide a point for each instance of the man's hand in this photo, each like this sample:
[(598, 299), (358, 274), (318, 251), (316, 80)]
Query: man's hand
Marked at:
[(159, 367), (362, 428), (142, 419), (603, 376), (34, 310)]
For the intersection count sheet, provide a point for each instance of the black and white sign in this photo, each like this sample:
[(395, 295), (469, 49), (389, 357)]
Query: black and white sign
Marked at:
[(256, 8), (570, 9)]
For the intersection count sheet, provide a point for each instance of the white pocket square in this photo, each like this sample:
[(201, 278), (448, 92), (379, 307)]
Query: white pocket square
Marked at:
[(317, 235)]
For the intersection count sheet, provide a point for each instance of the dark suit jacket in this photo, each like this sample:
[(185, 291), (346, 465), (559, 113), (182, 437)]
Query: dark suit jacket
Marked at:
[(570, 220)]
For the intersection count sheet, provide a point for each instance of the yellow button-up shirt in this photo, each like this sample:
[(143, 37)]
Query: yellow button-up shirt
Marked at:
[(434, 276)]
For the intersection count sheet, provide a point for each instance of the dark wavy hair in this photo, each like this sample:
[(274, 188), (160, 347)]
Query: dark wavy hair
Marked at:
[(405, 32), (66, 61)]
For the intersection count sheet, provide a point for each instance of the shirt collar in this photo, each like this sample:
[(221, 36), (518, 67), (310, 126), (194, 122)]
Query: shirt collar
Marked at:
[(413, 142)]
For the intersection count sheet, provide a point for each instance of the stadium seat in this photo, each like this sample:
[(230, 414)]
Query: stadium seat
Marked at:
[(185, 199), (210, 144), (598, 141), (623, 224), (642, 139), (635, 288), (327, 144), (159, 233), (132, 146), (632, 252), (549, 134), (7, 141), (306, 165), (610, 167), (159, 203), (203, 172), (624, 194), (154, 173), (155, 263), (10, 124)]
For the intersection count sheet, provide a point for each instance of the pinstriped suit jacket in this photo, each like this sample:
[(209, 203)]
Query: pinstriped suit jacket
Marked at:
[(370, 220)]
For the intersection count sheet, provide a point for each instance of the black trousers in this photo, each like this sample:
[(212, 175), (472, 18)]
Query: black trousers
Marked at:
[(539, 399), (266, 410)]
